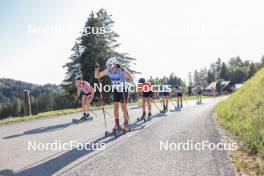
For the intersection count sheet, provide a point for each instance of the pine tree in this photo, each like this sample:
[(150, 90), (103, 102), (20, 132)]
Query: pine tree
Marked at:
[(262, 61), (223, 72), (252, 70), (90, 49), (210, 76)]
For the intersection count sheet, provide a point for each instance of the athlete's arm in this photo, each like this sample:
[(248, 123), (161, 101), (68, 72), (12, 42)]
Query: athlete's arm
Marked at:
[(78, 92), (92, 92), (128, 75), (98, 74)]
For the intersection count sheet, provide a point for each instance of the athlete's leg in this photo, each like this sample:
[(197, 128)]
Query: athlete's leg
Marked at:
[(167, 101), (125, 114), (149, 104), (181, 100), (84, 103), (144, 104), (178, 103), (116, 112)]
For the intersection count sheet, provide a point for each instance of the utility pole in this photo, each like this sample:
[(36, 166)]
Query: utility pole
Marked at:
[(27, 109)]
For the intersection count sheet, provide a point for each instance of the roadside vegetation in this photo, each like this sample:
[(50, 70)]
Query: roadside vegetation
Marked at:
[(243, 114)]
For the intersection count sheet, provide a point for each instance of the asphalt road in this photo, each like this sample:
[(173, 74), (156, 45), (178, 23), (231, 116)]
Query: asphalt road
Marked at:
[(139, 152)]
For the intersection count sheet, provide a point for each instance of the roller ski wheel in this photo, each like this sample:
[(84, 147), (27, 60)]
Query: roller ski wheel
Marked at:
[(116, 133), (83, 119), (75, 121)]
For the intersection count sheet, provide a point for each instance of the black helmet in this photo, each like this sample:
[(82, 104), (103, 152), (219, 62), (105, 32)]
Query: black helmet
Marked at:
[(142, 80)]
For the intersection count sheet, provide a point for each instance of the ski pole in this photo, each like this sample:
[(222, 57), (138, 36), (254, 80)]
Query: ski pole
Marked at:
[(156, 105), (102, 106)]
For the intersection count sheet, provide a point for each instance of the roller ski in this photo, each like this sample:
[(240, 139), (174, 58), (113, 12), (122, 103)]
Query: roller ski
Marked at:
[(118, 131), (85, 117), (178, 108), (117, 128), (142, 118), (165, 109)]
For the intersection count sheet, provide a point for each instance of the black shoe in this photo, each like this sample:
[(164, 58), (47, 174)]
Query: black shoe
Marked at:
[(143, 116), (149, 116), (83, 117)]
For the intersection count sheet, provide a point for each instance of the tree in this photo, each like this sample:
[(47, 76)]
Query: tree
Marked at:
[(262, 61), (223, 72), (235, 62), (252, 70), (190, 82), (196, 77), (210, 76), (90, 49)]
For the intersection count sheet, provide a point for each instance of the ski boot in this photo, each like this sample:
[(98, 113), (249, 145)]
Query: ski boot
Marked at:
[(116, 127), (143, 117), (164, 108), (149, 116), (125, 129)]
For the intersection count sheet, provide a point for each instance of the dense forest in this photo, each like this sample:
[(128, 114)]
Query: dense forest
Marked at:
[(43, 98), (235, 70)]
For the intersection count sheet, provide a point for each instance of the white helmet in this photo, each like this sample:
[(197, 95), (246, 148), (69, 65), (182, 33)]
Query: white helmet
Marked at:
[(78, 77), (111, 62)]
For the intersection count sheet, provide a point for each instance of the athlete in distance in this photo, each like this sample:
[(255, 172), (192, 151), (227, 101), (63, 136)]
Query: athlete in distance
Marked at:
[(147, 92), (165, 98), (179, 94), (86, 92)]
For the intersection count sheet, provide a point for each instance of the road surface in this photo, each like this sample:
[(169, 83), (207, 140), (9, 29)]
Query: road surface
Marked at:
[(144, 151)]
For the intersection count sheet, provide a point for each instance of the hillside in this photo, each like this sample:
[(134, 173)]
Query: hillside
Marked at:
[(243, 114), (43, 97)]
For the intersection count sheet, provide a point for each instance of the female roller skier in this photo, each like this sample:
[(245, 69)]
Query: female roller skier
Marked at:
[(85, 90), (119, 78)]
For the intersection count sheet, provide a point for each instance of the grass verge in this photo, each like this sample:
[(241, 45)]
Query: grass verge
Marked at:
[(243, 115), (70, 111)]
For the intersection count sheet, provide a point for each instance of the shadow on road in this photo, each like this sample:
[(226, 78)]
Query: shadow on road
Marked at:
[(41, 130), (51, 166), (135, 107), (160, 115)]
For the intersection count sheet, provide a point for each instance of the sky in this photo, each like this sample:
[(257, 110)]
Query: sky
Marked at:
[(165, 36)]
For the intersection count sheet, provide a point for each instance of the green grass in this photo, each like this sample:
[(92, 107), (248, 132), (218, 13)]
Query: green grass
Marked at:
[(243, 114), (40, 115), (45, 114), (70, 111)]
